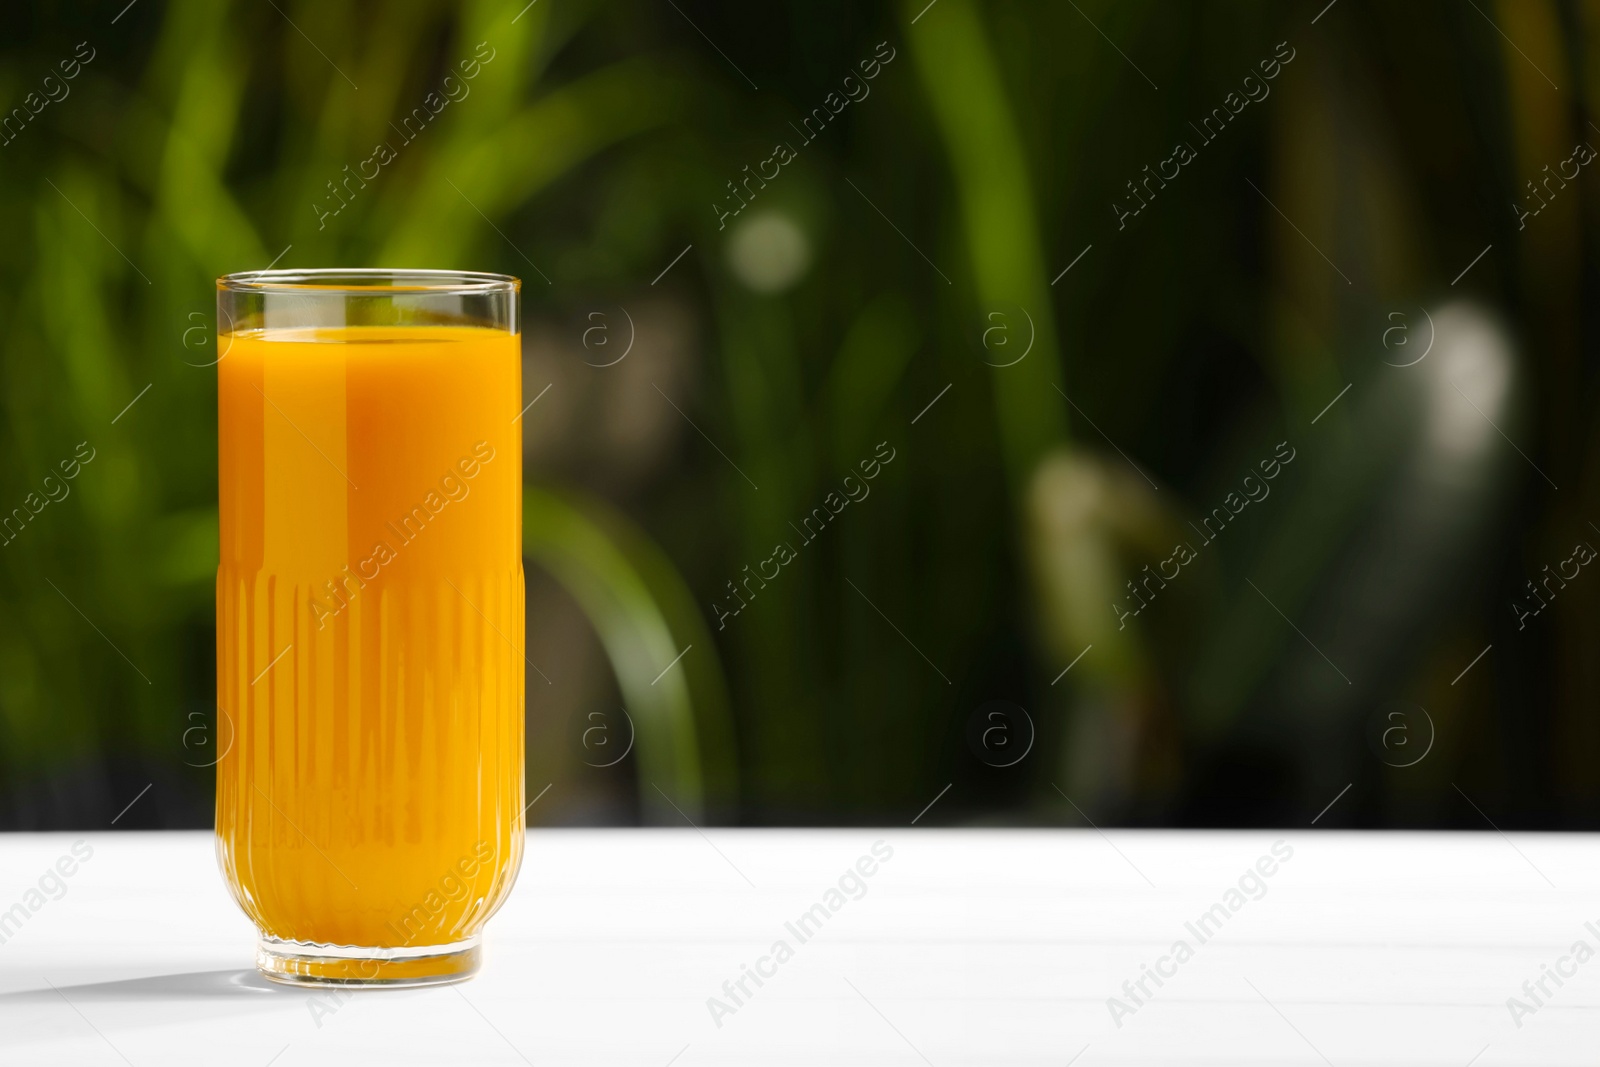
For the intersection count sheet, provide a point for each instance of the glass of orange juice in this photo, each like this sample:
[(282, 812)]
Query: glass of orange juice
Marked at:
[(369, 617)]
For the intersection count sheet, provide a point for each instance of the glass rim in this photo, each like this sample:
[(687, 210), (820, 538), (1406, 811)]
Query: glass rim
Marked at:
[(368, 281)]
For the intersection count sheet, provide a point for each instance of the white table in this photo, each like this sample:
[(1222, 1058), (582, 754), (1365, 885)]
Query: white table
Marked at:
[(968, 948)]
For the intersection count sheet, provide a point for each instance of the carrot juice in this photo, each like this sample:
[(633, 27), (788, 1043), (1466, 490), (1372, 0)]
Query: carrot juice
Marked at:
[(369, 643)]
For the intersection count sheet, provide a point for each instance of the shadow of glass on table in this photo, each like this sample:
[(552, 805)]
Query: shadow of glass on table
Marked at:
[(223, 983)]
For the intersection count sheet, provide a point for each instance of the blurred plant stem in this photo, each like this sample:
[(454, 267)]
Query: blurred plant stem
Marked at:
[(664, 657), (1071, 518), (998, 220)]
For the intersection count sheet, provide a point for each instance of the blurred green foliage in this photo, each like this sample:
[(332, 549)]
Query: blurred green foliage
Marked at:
[(878, 289)]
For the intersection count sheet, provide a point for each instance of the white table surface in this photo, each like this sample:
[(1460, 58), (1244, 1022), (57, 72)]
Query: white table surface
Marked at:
[(969, 947)]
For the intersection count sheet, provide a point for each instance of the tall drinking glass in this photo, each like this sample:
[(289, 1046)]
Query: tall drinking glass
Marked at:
[(369, 617)]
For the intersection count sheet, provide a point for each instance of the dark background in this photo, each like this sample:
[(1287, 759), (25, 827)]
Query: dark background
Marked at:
[(1356, 238)]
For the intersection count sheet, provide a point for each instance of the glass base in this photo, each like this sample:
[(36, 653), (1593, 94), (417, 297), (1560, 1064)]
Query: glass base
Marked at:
[(306, 963)]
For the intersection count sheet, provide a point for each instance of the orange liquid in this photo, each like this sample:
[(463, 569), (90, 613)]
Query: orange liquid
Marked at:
[(370, 502)]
